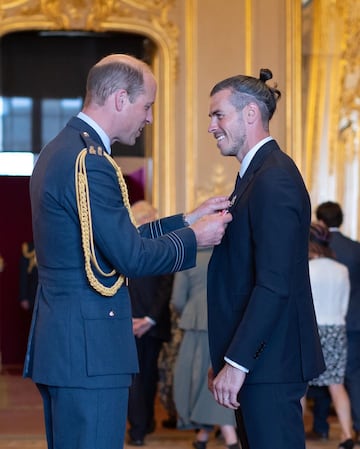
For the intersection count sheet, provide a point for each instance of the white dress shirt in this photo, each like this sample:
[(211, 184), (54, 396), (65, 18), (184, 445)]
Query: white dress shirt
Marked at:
[(251, 153)]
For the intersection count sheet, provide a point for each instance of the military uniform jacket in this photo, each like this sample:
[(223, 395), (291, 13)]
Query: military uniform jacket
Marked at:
[(78, 337), (260, 307)]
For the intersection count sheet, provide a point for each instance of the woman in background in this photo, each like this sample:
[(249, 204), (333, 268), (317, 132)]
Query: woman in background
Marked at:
[(196, 406), (331, 289)]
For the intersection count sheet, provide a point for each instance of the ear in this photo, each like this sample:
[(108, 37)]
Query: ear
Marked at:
[(251, 113), (121, 97)]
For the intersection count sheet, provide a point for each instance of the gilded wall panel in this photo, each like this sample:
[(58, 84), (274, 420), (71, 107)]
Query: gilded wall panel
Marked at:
[(332, 120)]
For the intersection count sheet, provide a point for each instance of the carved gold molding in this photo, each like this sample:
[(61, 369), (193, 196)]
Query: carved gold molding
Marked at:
[(145, 17), (149, 17)]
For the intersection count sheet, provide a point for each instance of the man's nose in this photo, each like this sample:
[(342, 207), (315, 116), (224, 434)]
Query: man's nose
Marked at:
[(149, 117), (212, 126)]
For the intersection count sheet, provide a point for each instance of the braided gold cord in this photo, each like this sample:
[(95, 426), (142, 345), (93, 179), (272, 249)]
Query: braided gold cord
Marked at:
[(84, 211)]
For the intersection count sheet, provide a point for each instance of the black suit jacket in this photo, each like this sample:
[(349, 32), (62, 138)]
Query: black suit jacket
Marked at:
[(347, 251), (150, 296), (261, 313)]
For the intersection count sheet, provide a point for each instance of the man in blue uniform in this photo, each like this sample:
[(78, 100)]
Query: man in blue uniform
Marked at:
[(81, 351)]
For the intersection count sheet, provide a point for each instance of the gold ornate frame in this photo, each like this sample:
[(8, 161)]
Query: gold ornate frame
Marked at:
[(145, 17)]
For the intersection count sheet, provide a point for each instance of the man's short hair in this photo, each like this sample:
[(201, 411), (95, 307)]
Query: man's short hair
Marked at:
[(330, 213), (111, 74)]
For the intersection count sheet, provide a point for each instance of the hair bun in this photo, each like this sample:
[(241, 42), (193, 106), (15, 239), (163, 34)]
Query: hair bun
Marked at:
[(265, 75)]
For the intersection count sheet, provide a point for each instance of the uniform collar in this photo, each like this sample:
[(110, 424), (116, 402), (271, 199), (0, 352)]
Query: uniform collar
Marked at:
[(103, 136)]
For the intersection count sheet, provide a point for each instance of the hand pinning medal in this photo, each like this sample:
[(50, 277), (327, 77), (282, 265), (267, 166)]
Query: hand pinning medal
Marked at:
[(232, 202)]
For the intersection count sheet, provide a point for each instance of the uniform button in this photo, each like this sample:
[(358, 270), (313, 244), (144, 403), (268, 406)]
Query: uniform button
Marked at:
[(111, 313)]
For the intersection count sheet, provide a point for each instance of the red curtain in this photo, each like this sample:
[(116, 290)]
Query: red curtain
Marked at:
[(15, 228)]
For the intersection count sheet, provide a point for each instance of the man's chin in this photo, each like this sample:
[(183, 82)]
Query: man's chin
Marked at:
[(223, 151), (130, 142)]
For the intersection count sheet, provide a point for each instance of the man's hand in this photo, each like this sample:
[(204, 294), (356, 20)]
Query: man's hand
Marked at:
[(226, 385), (210, 229), (25, 304), (141, 326), (208, 207)]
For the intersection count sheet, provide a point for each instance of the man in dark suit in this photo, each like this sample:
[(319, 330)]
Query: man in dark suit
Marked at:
[(347, 251), (81, 351), (150, 303), (263, 336), (150, 299)]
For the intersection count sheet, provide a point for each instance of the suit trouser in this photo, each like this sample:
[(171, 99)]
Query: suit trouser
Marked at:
[(144, 387), (321, 408), (79, 418), (273, 415)]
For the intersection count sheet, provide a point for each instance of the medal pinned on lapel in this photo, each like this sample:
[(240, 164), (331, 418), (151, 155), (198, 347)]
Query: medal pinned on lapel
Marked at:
[(232, 202)]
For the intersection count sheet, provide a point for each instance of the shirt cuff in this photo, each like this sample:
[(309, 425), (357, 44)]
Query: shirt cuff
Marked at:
[(236, 365), (150, 320)]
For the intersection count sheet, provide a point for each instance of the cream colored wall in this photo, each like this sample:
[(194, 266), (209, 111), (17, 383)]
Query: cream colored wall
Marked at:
[(217, 40)]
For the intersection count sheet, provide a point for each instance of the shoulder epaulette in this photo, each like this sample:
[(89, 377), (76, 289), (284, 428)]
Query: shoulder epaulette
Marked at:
[(89, 144)]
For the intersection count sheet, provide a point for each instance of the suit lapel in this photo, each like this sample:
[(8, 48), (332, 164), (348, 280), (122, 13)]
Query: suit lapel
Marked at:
[(242, 183)]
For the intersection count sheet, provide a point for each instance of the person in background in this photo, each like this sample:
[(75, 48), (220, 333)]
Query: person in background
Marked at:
[(167, 359), (28, 277), (347, 252), (263, 337), (81, 349), (320, 406), (150, 299), (330, 286), (195, 405)]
